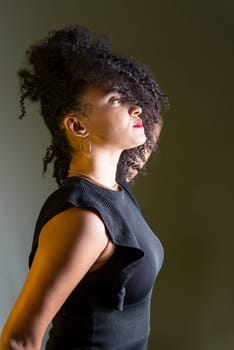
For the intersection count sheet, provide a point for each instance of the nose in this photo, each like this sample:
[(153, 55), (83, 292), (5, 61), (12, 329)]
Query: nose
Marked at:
[(135, 111)]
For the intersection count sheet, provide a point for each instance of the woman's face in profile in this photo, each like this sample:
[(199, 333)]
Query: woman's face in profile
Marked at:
[(110, 121)]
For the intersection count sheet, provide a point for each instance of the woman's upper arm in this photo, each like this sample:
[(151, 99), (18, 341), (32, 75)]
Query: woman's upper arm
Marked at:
[(68, 246)]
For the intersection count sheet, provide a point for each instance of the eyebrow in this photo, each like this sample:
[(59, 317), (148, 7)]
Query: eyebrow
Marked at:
[(113, 91)]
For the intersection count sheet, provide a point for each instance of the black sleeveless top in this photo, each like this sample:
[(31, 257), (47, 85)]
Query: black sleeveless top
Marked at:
[(110, 308)]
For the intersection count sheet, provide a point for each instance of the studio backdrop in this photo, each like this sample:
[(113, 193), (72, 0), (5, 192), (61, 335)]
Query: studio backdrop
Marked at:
[(187, 196)]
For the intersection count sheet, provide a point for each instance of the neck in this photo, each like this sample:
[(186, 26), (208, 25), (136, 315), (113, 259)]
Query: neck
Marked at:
[(100, 165)]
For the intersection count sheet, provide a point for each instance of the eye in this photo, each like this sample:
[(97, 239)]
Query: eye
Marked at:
[(115, 100)]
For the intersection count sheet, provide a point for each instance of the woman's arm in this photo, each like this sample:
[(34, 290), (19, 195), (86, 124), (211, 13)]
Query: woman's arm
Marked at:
[(69, 244)]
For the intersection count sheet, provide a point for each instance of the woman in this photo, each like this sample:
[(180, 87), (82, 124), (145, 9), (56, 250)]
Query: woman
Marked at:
[(94, 259)]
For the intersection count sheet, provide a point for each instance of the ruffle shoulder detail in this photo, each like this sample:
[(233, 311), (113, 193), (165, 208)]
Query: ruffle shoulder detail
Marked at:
[(83, 194)]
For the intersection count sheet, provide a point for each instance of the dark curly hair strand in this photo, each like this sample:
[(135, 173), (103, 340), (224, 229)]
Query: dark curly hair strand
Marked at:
[(63, 65)]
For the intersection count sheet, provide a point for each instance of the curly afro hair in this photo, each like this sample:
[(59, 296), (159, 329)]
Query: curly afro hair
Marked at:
[(62, 66)]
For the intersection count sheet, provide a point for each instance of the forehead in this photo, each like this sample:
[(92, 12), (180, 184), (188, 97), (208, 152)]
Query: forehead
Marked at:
[(94, 92)]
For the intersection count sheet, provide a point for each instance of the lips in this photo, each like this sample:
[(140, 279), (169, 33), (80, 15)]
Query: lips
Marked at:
[(138, 125)]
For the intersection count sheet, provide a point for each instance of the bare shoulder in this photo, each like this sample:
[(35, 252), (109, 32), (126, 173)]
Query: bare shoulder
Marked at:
[(72, 225), (73, 236)]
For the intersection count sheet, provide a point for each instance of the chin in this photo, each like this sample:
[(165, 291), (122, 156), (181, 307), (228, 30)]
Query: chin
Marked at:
[(141, 141), (136, 144)]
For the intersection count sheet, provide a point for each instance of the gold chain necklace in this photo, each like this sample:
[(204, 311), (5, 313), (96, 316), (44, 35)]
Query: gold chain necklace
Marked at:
[(93, 179)]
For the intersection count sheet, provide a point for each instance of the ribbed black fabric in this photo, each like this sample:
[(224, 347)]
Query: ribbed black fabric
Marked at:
[(110, 308)]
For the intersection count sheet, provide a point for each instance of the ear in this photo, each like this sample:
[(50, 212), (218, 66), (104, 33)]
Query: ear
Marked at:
[(74, 126)]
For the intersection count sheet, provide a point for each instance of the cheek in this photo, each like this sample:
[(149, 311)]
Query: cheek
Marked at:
[(109, 122), (121, 120)]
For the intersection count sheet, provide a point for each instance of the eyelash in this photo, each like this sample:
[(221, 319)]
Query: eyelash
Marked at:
[(115, 99)]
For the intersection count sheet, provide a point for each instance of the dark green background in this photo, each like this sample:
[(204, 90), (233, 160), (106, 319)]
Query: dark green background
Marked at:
[(187, 196)]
